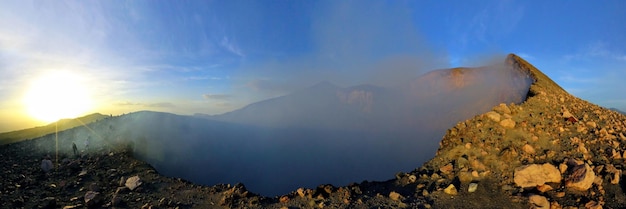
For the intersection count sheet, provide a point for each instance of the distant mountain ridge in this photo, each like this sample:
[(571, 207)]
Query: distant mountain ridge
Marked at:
[(444, 96), (63, 124), (322, 106)]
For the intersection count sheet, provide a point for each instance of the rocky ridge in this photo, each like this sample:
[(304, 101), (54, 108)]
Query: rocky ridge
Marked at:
[(552, 151)]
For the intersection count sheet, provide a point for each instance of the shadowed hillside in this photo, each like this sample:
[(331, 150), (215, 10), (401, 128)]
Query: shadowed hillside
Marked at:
[(61, 125)]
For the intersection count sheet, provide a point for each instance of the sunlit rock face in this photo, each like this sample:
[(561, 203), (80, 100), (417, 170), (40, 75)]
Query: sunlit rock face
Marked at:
[(322, 134)]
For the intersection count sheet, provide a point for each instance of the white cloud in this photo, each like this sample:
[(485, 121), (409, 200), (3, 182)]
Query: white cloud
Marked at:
[(597, 49), (231, 46), (157, 104), (493, 22), (217, 96)]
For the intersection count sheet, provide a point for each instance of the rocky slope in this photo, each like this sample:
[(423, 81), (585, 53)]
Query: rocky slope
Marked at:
[(552, 151)]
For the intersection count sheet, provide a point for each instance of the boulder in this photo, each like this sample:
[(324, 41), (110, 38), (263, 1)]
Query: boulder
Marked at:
[(502, 108), (395, 196), (493, 116), (446, 169), (581, 178), (46, 165), (539, 202), (536, 175), (133, 182), (92, 199), (507, 123), (472, 187), (528, 149), (615, 177), (451, 190)]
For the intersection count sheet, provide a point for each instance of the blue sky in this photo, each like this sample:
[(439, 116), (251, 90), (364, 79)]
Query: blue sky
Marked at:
[(211, 57)]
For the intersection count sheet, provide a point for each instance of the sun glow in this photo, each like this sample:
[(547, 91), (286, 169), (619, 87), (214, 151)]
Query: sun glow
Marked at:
[(57, 95)]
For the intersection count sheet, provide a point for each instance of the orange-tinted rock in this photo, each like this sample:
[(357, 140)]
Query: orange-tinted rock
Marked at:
[(536, 175)]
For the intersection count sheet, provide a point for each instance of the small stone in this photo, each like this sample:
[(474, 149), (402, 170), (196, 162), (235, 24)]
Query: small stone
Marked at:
[(572, 119), (616, 155), (566, 114), (133, 182), (46, 165), (472, 187), (539, 202), (544, 188), (116, 201), (82, 173), (412, 178), (300, 192), (475, 174), (122, 181), (451, 190), (477, 165), (535, 175), (507, 123), (328, 189), (593, 205), (435, 176), (92, 199), (582, 148), (146, 206), (494, 116), (395, 196), (528, 149), (502, 108), (616, 176), (446, 169), (284, 199), (559, 194), (465, 176), (598, 180), (120, 190), (591, 124), (49, 202), (563, 168)]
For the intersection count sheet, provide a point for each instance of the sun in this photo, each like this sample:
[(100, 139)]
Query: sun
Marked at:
[(57, 95)]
